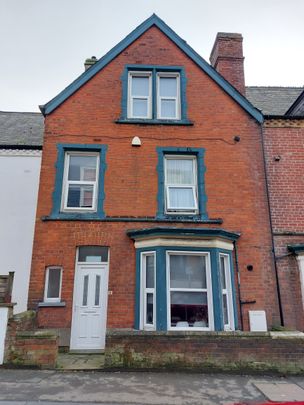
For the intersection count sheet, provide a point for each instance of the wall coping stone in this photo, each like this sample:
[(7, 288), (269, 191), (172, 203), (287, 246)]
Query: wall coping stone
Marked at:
[(37, 334), (204, 335)]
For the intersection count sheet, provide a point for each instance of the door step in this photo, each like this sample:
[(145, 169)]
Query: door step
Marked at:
[(83, 361)]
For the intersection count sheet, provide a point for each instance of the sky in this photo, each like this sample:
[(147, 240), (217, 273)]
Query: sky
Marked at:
[(43, 43)]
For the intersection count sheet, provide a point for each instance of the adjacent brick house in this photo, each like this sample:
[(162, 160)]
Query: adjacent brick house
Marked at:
[(153, 211), (283, 134)]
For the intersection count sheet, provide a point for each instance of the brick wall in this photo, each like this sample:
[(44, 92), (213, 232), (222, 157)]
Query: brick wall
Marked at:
[(285, 164), (27, 346), (275, 352), (234, 182)]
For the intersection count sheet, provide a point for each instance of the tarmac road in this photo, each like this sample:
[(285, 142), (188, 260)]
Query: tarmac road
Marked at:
[(27, 387)]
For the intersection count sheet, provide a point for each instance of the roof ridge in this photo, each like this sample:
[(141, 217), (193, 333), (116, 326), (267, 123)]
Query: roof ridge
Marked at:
[(20, 112)]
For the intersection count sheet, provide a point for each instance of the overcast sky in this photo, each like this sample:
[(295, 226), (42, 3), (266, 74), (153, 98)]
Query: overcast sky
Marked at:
[(43, 43)]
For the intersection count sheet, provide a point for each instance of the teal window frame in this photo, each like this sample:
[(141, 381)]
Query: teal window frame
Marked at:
[(154, 70), (62, 149), (161, 291), (199, 153)]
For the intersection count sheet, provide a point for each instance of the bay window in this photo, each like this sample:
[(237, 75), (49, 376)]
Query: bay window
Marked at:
[(189, 290)]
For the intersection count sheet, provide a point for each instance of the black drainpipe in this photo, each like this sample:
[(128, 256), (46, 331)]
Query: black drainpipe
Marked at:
[(272, 239), (238, 283)]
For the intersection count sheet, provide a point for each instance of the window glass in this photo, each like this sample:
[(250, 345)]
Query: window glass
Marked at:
[(168, 86), (189, 309), (93, 254), (85, 290), (140, 107), (82, 168), (180, 198), (223, 277), (168, 108), (188, 271), (140, 86), (149, 309), (180, 171), (80, 196), (97, 290), (54, 279), (150, 271)]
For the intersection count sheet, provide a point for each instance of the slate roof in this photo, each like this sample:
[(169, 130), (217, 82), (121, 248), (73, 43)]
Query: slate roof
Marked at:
[(297, 108), (21, 128), (273, 100)]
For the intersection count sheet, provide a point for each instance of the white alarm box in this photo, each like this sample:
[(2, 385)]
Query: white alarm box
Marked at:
[(257, 321)]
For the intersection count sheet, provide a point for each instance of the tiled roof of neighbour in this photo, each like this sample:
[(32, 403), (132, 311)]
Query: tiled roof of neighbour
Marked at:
[(273, 100), (297, 108), (21, 128)]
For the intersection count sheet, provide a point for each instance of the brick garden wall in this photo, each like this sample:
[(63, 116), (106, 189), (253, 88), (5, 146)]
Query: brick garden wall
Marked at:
[(26, 346), (234, 182), (211, 351)]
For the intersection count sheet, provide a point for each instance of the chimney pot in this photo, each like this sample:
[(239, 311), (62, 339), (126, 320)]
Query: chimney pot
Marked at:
[(90, 62)]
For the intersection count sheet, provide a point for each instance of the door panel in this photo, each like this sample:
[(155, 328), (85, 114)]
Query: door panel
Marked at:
[(89, 307)]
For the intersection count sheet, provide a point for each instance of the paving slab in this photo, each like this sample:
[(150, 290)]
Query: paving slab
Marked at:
[(69, 361), (281, 391)]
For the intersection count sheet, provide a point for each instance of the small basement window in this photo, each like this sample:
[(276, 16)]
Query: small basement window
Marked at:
[(53, 280)]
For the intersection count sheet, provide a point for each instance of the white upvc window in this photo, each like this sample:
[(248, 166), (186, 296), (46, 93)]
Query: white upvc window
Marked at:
[(226, 289), (148, 296), (189, 291), (80, 181), (140, 95), (53, 281), (181, 184), (168, 96)]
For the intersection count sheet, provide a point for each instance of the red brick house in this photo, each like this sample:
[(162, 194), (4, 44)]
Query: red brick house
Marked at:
[(153, 211), (283, 134)]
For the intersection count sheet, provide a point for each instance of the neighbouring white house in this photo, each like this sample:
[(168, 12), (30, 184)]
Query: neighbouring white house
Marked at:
[(21, 136)]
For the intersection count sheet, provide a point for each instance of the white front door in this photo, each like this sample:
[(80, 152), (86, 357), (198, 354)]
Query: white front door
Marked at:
[(89, 307)]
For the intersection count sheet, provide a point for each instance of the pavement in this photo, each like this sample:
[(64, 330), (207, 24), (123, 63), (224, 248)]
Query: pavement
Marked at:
[(36, 387)]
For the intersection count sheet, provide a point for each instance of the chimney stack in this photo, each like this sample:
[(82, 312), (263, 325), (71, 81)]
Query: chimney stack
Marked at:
[(90, 62), (227, 58)]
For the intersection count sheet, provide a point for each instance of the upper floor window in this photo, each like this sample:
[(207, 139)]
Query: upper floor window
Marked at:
[(80, 181), (147, 101), (181, 184)]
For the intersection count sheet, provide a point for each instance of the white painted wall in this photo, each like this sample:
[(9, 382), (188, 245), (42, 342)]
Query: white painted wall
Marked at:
[(3, 327), (19, 179)]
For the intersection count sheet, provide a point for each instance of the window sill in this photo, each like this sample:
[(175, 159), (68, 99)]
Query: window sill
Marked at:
[(153, 121), (170, 219), (76, 215), (52, 304)]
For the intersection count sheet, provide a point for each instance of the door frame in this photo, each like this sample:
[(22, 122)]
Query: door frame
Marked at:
[(89, 264)]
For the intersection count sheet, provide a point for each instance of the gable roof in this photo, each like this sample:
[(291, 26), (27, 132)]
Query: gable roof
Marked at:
[(273, 100), (154, 20), (297, 108), (21, 129)]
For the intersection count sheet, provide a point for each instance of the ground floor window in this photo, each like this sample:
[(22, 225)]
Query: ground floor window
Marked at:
[(185, 289), (189, 290)]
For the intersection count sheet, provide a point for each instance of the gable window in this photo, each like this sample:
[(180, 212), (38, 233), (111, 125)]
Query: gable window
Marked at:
[(80, 181), (154, 95), (168, 96), (140, 92), (181, 184), (53, 279)]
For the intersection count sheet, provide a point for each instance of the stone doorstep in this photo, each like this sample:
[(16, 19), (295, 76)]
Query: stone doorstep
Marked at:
[(84, 361), (281, 392)]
